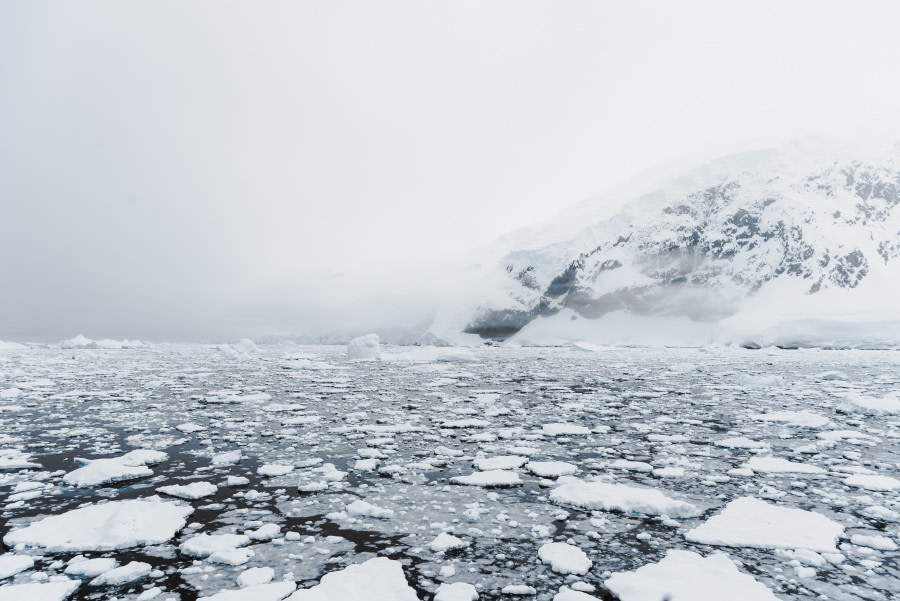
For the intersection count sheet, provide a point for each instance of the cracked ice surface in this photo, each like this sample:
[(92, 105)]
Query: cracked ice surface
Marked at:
[(758, 471)]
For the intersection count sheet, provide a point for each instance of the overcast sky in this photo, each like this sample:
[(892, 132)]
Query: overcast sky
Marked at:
[(204, 170)]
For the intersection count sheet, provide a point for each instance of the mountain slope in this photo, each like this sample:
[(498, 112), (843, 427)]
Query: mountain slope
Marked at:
[(699, 246)]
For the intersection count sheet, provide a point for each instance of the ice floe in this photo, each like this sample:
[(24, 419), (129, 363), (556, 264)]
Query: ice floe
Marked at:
[(104, 526), (688, 576), (752, 522)]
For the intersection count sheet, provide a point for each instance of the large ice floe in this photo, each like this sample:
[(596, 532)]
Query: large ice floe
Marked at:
[(621, 497), (687, 576), (104, 526), (378, 578), (752, 522), (446, 474)]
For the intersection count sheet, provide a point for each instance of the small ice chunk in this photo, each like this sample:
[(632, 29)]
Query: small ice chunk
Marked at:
[(874, 541), (800, 419), (232, 557), (130, 572), (565, 558), (445, 541), (227, 458), (873, 482), (204, 545), (457, 591), (194, 490), (91, 568), (501, 462), (551, 469), (562, 429), (189, 427), (518, 589), (779, 465), (265, 532), (490, 479), (254, 576), (274, 469), (360, 508)]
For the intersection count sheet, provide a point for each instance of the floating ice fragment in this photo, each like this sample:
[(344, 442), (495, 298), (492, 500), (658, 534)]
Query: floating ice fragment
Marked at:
[(687, 576), (378, 578), (751, 522), (565, 558)]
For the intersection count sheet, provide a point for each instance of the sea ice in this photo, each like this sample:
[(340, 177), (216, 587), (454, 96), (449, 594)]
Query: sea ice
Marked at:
[(39, 591), (752, 522), (490, 479), (104, 526), (194, 490), (204, 545), (565, 558), (620, 497), (378, 578), (687, 576), (779, 465), (10, 565)]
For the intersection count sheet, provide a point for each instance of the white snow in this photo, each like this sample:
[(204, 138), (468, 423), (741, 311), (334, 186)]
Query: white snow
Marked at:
[(687, 576), (104, 526), (620, 497), (565, 558), (378, 578), (752, 522)]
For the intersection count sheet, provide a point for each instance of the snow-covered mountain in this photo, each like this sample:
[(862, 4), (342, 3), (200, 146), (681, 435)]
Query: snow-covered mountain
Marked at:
[(747, 241)]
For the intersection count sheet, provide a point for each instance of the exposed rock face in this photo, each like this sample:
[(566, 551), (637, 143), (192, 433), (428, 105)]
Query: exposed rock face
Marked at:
[(696, 245)]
